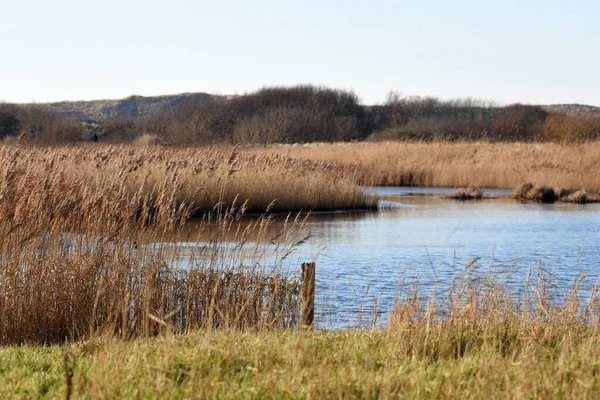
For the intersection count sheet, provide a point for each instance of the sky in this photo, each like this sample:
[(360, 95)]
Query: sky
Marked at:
[(529, 51)]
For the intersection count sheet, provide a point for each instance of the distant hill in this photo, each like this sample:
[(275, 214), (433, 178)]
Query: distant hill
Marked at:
[(132, 106), (578, 109)]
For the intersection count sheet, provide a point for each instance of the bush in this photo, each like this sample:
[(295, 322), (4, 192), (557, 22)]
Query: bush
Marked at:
[(519, 122), (9, 125), (46, 126), (299, 114), (571, 128), (122, 129), (270, 115), (427, 118), (146, 140)]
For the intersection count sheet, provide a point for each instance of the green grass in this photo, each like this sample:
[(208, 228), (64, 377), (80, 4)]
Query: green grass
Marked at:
[(290, 364)]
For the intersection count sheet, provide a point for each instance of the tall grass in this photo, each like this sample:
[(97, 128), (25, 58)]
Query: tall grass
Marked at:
[(480, 309), (84, 253), (458, 164), (256, 180)]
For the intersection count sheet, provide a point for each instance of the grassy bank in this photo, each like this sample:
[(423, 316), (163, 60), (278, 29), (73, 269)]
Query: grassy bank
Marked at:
[(480, 164), (291, 364), (478, 340), (347, 364)]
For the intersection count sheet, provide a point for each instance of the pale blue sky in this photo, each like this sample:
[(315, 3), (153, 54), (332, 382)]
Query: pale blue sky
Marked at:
[(506, 51)]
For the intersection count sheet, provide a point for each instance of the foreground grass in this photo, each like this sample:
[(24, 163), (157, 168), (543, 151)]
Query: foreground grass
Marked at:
[(290, 364)]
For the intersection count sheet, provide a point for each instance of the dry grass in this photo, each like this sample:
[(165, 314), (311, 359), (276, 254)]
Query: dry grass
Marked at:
[(471, 193), (545, 194), (207, 176), (447, 164), (85, 252), (480, 310)]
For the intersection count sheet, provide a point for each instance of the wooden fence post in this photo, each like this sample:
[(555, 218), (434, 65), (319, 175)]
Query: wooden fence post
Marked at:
[(308, 296)]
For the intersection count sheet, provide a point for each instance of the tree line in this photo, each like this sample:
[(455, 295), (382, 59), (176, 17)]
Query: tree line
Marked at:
[(305, 113)]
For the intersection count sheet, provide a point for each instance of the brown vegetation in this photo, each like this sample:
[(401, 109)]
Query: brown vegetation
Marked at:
[(480, 310), (476, 339), (207, 176), (270, 115), (519, 122), (84, 249), (471, 193), (46, 125), (545, 194), (428, 118), (461, 164), (298, 114), (571, 128)]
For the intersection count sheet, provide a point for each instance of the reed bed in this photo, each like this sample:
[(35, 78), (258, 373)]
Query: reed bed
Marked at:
[(87, 253), (457, 164), (206, 176)]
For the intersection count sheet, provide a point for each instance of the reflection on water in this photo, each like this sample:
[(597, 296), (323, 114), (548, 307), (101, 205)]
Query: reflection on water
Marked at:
[(363, 256)]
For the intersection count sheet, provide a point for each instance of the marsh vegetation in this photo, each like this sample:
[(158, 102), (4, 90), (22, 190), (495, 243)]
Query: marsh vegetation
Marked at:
[(458, 164), (86, 251)]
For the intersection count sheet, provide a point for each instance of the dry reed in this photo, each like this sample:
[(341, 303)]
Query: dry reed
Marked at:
[(84, 253), (480, 314), (257, 179), (456, 164)]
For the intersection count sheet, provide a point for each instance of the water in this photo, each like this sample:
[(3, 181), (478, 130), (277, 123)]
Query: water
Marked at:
[(362, 257)]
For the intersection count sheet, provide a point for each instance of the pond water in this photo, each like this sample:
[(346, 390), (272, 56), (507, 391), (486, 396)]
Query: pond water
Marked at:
[(362, 257)]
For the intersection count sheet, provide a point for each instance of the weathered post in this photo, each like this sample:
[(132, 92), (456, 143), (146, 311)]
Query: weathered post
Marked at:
[(308, 295)]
